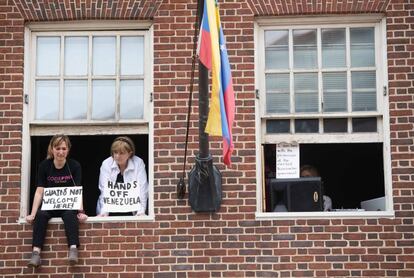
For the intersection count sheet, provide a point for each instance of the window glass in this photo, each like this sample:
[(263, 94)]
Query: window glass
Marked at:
[(101, 84), (278, 126), (362, 47), (364, 124), (103, 99), (334, 92), (277, 49), (132, 55), (104, 53), (48, 56), (277, 93), (364, 91), (335, 125), (47, 99), (132, 99), (75, 100), (306, 126), (333, 48), (306, 92), (76, 56), (304, 49)]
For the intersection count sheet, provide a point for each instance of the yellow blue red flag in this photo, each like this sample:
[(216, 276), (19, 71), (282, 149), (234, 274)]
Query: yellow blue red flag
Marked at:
[(213, 55)]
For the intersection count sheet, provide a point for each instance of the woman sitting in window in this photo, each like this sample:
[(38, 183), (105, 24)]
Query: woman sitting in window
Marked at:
[(56, 171), (122, 181)]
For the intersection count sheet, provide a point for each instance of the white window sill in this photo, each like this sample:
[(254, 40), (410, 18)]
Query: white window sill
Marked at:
[(324, 215), (100, 219)]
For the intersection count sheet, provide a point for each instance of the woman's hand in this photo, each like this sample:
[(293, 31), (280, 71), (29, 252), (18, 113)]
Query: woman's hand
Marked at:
[(30, 218), (82, 217)]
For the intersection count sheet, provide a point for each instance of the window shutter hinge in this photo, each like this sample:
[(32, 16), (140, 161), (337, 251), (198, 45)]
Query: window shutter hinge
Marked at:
[(26, 99), (384, 90), (257, 94), (151, 97)]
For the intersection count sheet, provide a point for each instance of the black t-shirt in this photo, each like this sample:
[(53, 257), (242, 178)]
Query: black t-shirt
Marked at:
[(119, 178), (49, 176)]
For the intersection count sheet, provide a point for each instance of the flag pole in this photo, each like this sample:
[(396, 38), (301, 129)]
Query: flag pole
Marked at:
[(204, 179)]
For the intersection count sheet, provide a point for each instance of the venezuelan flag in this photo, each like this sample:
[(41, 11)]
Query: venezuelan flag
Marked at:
[(213, 55)]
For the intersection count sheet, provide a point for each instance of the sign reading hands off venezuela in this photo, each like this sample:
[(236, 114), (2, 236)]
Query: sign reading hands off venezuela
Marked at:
[(121, 197)]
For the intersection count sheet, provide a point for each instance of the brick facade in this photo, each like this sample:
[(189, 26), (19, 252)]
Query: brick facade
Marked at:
[(230, 243)]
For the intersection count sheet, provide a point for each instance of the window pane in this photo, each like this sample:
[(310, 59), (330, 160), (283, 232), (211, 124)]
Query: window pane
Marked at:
[(132, 55), (334, 92), (364, 125), (363, 91), (278, 126), (306, 92), (306, 126), (76, 56), (104, 51), (335, 125), (333, 48), (103, 99), (304, 48), (132, 99), (277, 49), (75, 99), (362, 47), (48, 56), (47, 100), (277, 93)]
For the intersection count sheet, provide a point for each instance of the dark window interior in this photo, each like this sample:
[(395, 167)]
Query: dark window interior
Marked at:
[(350, 172), (90, 151)]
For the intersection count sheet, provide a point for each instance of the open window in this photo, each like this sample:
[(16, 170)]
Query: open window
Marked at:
[(322, 86), (92, 83), (351, 173), (89, 151)]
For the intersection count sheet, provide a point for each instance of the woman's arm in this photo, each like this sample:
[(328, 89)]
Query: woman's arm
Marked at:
[(76, 172), (104, 176), (37, 201), (82, 216), (143, 182)]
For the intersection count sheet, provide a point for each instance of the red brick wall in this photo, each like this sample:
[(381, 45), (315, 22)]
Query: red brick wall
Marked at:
[(230, 243)]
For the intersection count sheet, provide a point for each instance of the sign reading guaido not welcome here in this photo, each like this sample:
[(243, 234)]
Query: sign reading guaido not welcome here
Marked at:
[(56, 198)]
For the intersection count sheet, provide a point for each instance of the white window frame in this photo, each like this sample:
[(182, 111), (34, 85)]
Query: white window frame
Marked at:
[(32, 127), (382, 135)]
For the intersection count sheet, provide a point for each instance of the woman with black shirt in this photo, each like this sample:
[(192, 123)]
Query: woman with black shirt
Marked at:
[(56, 171)]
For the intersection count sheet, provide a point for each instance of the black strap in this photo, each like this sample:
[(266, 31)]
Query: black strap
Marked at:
[(181, 183)]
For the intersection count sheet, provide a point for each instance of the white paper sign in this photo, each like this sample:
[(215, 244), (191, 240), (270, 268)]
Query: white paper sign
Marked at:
[(121, 197), (287, 161), (67, 198)]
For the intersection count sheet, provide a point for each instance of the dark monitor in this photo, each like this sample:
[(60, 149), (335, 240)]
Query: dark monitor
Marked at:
[(301, 194)]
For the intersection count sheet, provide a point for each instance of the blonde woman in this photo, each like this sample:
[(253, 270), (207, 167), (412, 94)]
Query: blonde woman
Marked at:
[(123, 166), (56, 171)]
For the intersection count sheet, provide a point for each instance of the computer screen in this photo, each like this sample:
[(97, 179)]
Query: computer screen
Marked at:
[(301, 194)]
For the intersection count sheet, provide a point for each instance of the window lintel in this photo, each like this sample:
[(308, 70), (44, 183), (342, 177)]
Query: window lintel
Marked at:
[(318, 19)]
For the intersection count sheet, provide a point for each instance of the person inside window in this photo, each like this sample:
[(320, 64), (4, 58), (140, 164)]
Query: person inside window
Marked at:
[(56, 171), (123, 168), (311, 171)]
